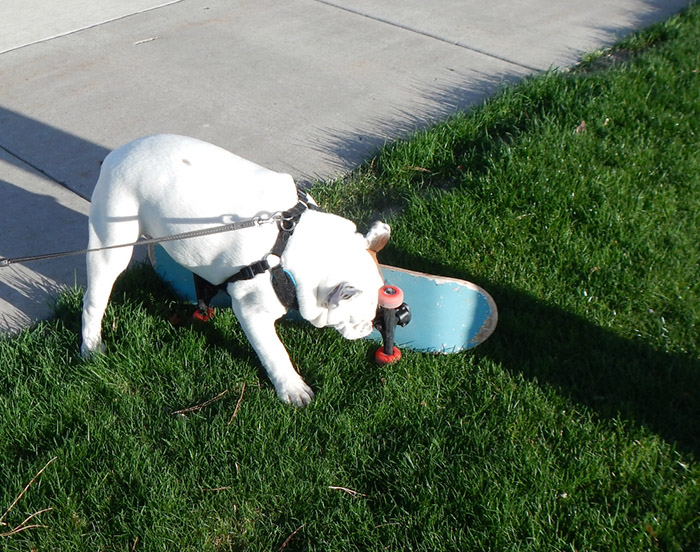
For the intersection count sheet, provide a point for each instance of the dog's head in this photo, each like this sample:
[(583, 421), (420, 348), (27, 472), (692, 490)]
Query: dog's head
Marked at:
[(352, 303), (341, 290)]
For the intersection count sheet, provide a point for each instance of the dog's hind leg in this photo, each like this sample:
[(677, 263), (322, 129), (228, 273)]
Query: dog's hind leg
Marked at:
[(103, 268)]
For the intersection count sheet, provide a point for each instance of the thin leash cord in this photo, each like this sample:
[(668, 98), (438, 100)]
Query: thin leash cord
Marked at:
[(149, 241)]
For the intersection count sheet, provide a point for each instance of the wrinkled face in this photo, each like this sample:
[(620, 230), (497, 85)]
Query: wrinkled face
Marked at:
[(353, 316), (346, 299), (350, 305)]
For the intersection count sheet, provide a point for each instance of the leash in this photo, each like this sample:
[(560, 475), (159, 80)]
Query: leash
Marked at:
[(257, 221)]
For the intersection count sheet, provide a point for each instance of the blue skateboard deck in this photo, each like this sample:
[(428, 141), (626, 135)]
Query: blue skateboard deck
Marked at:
[(181, 279), (448, 315)]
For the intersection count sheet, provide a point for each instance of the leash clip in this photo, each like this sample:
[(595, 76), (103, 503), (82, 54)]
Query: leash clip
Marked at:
[(267, 218)]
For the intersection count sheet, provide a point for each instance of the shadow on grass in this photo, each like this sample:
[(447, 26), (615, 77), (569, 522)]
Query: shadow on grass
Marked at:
[(141, 286), (592, 365)]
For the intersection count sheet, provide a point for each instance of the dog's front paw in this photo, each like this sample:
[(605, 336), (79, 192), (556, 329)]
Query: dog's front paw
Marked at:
[(88, 351), (295, 392)]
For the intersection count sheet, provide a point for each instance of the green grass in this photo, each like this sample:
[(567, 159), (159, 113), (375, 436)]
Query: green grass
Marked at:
[(574, 427)]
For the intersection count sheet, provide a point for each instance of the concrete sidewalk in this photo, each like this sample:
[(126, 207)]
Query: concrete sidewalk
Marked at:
[(309, 87)]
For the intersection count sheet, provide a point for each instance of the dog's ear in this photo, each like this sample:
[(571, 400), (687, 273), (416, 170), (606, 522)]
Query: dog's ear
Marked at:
[(341, 292), (378, 236)]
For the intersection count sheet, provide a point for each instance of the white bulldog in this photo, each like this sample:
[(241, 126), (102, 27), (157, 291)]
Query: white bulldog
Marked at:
[(164, 185)]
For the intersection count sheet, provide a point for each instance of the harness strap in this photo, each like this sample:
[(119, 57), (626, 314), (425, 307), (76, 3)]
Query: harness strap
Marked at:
[(248, 272), (282, 282), (285, 287), (289, 220)]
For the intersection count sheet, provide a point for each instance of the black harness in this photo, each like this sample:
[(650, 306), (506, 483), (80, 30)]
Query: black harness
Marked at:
[(282, 282)]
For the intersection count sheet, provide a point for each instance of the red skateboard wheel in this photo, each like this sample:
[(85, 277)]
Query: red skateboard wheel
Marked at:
[(382, 358), (203, 316), (390, 297)]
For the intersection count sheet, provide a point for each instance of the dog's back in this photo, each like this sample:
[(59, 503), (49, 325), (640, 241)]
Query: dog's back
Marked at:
[(180, 180), (167, 184)]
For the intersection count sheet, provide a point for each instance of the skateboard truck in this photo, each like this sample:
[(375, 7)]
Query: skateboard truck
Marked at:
[(204, 292), (390, 312)]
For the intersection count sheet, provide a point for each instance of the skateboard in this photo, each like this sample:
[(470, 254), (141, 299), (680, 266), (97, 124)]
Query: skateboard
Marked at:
[(446, 315)]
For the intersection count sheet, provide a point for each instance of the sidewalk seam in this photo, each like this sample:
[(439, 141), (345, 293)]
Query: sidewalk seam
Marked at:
[(428, 35), (91, 26), (42, 172)]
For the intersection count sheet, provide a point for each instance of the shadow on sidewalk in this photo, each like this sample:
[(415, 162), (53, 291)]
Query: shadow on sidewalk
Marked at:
[(349, 148), (65, 158), (42, 214)]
